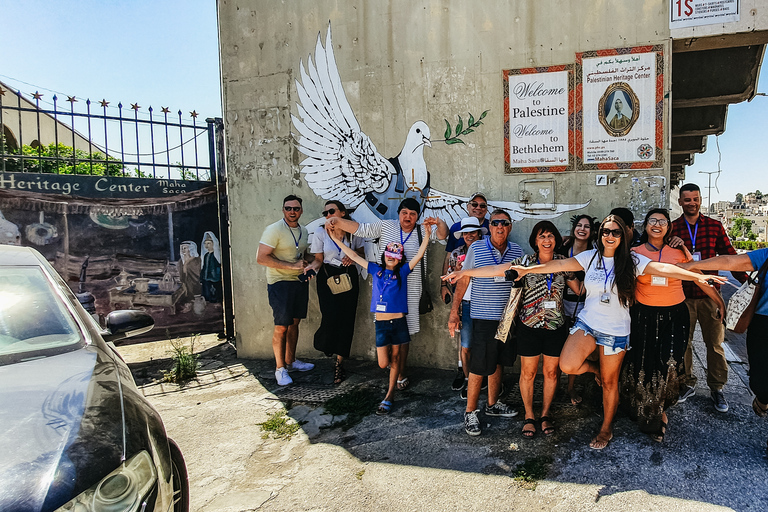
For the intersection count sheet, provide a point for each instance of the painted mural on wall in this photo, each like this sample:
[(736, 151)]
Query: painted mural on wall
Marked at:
[(343, 163), (145, 244)]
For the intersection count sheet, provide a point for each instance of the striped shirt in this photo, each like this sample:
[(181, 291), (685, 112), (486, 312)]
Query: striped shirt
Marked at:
[(489, 297), (389, 231), (540, 291)]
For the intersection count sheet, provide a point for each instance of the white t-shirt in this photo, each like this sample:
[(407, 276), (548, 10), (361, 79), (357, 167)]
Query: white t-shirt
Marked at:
[(606, 317), (332, 254)]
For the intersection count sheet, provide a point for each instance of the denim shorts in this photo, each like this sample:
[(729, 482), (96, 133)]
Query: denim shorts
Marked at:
[(613, 344), (466, 324), (392, 332)]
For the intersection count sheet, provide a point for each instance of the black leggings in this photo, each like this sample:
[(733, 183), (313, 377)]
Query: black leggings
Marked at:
[(757, 352)]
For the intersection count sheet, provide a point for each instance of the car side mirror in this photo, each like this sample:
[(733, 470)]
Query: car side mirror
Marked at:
[(126, 323)]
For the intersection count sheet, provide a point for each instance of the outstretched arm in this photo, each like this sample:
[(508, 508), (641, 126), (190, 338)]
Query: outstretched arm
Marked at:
[(738, 262), (675, 272), (348, 225), (550, 267), (346, 250), (423, 247), (489, 271)]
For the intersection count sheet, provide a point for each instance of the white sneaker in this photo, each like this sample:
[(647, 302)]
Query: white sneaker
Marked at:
[(283, 379), (300, 365)]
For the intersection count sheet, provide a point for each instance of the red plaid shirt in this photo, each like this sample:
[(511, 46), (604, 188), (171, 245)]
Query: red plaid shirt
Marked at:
[(711, 241)]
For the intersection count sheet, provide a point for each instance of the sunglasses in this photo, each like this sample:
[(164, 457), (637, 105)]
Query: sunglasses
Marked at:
[(292, 208), (615, 232), (329, 212), (657, 222), (500, 222), (475, 204)]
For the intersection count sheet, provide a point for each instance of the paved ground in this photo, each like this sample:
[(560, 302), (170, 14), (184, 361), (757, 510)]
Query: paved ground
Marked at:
[(419, 458)]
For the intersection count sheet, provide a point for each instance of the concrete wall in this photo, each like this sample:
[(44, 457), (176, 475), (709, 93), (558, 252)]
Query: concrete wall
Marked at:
[(401, 62)]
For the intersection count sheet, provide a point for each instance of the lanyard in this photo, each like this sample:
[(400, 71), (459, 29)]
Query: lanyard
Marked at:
[(386, 280), (402, 242), (694, 235), (491, 250), (607, 274), (550, 277), (571, 254), (293, 236), (656, 248)]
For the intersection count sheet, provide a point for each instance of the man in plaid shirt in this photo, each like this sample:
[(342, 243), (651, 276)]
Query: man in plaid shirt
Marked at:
[(705, 238)]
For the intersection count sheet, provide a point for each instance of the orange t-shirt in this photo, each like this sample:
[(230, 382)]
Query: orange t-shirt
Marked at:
[(655, 290)]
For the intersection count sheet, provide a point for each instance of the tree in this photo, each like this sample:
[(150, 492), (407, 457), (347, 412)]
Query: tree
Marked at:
[(741, 228), (739, 198), (758, 195)]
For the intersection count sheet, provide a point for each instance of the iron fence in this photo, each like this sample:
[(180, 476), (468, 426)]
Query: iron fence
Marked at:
[(95, 140)]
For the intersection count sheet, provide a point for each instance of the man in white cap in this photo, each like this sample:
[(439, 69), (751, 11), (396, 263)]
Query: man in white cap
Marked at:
[(470, 231)]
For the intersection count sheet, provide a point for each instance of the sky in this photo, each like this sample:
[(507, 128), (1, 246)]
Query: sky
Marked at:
[(165, 53)]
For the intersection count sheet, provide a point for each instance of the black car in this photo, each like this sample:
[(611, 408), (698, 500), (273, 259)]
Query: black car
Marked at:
[(75, 432)]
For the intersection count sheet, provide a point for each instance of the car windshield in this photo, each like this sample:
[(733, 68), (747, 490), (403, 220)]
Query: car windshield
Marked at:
[(33, 320)]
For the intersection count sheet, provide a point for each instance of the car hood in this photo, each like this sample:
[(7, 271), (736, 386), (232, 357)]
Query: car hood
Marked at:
[(61, 427)]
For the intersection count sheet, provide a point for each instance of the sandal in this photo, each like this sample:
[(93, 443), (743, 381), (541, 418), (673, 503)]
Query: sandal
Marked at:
[(547, 431), (338, 373), (384, 407), (402, 384), (659, 437), (759, 408), (528, 434), (599, 442)]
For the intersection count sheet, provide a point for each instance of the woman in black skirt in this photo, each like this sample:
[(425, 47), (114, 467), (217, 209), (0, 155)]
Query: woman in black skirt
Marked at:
[(334, 336), (659, 332)]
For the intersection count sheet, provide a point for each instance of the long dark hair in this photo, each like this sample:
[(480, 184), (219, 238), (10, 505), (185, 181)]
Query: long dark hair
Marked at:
[(623, 264), (395, 271), (667, 235), (572, 238)]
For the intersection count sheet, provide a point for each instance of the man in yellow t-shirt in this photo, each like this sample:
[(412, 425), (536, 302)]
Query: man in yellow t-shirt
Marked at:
[(282, 249)]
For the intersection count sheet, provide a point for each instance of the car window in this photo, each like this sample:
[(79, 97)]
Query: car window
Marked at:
[(34, 322)]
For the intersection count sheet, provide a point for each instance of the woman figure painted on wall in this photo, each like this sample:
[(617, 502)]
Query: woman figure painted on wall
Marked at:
[(189, 271), (210, 275)]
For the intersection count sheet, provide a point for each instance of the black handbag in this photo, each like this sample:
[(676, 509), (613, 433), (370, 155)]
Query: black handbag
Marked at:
[(425, 301)]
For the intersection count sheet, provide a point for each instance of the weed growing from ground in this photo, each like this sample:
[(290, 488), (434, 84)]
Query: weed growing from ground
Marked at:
[(357, 404), (532, 470), (184, 361), (279, 426)]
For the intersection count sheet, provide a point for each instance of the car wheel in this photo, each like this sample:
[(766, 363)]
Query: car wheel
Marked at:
[(180, 479)]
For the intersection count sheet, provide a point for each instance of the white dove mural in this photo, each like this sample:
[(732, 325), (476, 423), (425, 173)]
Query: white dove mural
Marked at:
[(343, 163)]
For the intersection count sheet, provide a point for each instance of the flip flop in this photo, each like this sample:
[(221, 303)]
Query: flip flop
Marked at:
[(548, 431), (759, 408), (528, 434), (659, 436), (384, 407), (591, 443), (402, 384)]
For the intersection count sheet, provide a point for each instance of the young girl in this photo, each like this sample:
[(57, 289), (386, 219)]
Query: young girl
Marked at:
[(390, 304)]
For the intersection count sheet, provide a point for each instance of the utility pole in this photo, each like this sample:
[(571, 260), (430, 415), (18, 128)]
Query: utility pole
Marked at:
[(709, 188)]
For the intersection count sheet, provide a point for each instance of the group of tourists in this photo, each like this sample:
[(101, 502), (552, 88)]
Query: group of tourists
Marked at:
[(607, 300)]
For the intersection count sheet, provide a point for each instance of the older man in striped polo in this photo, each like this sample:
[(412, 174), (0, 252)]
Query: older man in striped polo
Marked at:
[(489, 298)]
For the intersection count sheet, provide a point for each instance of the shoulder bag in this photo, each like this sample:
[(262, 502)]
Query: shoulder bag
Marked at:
[(425, 301), (742, 304)]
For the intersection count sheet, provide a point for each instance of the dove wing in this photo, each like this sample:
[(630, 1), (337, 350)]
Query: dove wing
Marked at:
[(452, 208), (342, 162)]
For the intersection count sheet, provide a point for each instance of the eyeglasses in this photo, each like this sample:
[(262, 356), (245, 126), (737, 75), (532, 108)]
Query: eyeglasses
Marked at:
[(657, 222), (475, 204), (615, 232), (329, 212), (500, 222), (292, 208)]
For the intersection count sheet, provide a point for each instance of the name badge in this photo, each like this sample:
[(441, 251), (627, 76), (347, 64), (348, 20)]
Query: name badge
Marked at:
[(550, 304), (381, 307), (605, 298), (336, 262), (499, 279), (658, 281), (696, 256)]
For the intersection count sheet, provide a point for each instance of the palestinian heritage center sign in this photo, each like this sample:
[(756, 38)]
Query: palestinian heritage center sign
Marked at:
[(621, 100), (538, 119)]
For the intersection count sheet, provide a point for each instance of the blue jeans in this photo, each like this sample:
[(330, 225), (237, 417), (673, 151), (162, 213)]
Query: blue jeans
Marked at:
[(466, 324), (612, 344)]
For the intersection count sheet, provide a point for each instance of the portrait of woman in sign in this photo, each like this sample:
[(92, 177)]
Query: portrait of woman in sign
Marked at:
[(618, 109)]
